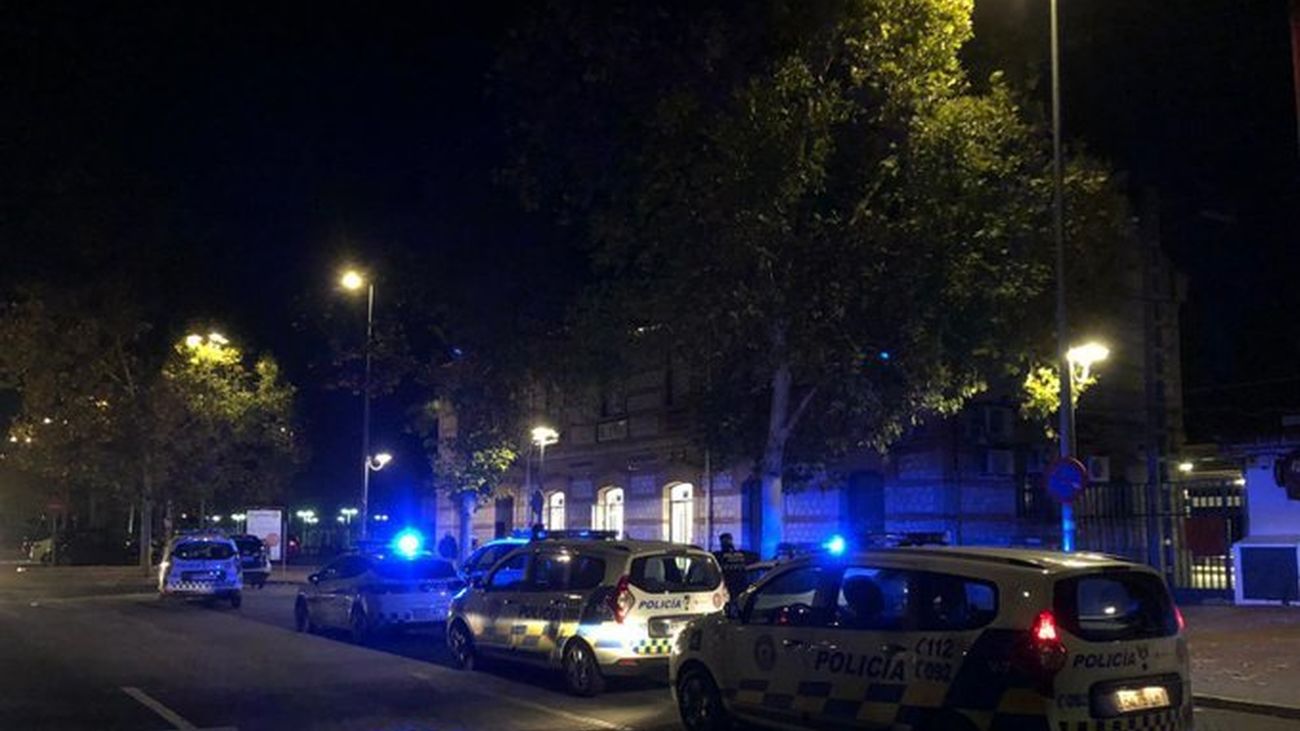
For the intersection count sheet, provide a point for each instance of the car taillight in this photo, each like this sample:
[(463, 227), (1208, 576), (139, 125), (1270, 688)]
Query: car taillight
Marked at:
[(1178, 615), (1047, 652), (622, 601)]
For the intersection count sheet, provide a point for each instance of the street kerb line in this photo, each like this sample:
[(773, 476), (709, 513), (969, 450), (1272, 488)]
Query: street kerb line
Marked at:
[(167, 714), (1241, 705), (532, 706)]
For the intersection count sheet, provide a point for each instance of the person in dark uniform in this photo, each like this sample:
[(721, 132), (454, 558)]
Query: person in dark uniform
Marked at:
[(733, 562)]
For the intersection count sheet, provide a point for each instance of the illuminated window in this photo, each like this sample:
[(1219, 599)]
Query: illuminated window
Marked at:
[(607, 513), (554, 517), (681, 513)]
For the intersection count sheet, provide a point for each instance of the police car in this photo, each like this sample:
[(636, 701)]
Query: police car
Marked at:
[(593, 608), (941, 639), (201, 566), (368, 592)]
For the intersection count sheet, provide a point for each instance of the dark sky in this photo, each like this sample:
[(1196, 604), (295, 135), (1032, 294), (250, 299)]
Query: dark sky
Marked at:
[(258, 146)]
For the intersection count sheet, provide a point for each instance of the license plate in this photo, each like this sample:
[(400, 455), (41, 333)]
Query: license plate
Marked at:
[(664, 628), (1128, 700)]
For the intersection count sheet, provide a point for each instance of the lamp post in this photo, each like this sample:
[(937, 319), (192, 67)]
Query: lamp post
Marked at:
[(353, 281), (345, 517), (543, 437), (372, 464), (1082, 358)]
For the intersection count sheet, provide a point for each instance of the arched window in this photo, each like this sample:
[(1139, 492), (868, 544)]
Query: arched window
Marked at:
[(681, 513), (554, 515), (607, 513)]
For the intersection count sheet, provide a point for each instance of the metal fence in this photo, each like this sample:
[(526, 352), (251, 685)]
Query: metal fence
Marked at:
[(1184, 528)]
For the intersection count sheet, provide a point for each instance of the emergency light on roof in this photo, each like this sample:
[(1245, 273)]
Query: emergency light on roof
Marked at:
[(408, 543), (836, 545)]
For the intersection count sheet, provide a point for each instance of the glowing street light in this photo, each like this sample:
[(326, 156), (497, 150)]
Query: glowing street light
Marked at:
[(353, 280), (1186, 467), (217, 338), (193, 340), (1084, 356), (379, 461), (543, 437)]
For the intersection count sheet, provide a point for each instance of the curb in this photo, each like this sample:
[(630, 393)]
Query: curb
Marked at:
[(1244, 706)]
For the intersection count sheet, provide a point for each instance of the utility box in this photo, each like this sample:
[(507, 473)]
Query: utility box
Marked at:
[(1268, 570)]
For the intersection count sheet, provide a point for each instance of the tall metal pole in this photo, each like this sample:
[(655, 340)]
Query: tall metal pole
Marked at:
[(541, 480), (1065, 373), (365, 416)]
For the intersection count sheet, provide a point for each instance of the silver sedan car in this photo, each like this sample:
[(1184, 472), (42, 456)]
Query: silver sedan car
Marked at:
[(367, 593)]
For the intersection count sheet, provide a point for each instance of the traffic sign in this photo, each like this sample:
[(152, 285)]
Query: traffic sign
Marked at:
[(1066, 478)]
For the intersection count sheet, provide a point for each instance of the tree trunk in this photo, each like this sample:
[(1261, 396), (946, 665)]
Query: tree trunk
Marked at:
[(467, 503), (773, 463), (146, 519)]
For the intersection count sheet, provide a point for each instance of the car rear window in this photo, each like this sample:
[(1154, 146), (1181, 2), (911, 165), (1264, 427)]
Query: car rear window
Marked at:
[(419, 569), (671, 572), (248, 546), (1126, 605), (203, 551)]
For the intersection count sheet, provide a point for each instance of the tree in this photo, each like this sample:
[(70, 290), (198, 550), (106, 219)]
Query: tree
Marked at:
[(106, 410), (813, 204)]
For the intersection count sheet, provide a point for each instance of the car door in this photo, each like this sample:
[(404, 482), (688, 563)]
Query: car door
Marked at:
[(770, 669), (338, 589), (543, 606), (902, 634), (502, 593), (314, 592)]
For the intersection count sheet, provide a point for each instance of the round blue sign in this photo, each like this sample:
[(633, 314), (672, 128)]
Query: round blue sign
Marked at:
[(1066, 477)]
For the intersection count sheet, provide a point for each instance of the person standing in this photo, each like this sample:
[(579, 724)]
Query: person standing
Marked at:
[(447, 547), (733, 562)]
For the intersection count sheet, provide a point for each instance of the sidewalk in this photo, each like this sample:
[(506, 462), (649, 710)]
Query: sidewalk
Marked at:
[(1245, 655)]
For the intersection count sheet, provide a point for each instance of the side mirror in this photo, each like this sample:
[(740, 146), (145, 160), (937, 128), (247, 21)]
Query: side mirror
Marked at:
[(731, 610)]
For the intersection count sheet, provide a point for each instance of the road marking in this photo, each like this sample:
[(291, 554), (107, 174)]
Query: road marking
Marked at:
[(589, 721), (168, 714)]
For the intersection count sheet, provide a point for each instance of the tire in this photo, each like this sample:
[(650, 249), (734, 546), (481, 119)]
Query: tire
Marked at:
[(582, 674), (461, 644), (359, 626), (236, 600), (302, 617), (699, 702)]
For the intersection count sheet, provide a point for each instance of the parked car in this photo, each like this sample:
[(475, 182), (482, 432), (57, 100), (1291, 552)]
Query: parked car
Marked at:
[(365, 593), (93, 548), (201, 566), (940, 639), (591, 608), (483, 558), (254, 559)]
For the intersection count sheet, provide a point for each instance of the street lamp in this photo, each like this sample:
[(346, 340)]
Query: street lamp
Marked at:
[(372, 464), (543, 437), (1078, 369), (353, 280)]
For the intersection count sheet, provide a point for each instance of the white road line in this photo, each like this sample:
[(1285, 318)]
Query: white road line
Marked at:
[(168, 714), (588, 721)]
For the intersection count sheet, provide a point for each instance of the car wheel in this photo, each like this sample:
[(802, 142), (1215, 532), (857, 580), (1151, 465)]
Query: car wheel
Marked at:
[(360, 626), (236, 600), (581, 672), (461, 644), (700, 702), (302, 617)]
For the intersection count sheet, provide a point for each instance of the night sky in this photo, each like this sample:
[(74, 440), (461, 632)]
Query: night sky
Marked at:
[(246, 151)]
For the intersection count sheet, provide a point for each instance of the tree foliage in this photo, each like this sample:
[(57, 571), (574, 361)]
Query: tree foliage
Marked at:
[(107, 407), (809, 202)]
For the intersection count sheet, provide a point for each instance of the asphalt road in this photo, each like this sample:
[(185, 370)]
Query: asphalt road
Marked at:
[(104, 655)]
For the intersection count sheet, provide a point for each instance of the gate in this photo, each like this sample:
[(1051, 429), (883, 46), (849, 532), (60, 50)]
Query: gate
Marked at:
[(1185, 528)]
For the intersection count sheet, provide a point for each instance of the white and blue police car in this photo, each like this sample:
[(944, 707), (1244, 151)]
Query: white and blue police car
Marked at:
[(941, 639)]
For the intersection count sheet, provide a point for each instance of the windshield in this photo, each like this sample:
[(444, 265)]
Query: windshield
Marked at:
[(419, 569), (676, 572), (203, 551)]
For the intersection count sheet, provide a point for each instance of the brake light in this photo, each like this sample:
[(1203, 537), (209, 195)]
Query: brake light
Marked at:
[(622, 601), (1046, 653), (1178, 615), (1045, 628)]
